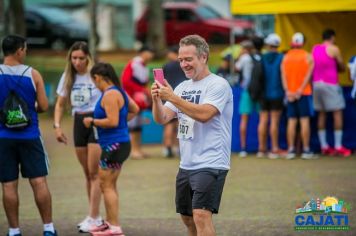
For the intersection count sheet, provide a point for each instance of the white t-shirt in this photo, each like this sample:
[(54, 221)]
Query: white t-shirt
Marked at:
[(84, 94), (211, 145), (245, 64)]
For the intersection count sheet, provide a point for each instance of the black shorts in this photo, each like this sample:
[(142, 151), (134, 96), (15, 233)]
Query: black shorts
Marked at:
[(28, 155), (272, 105), (114, 155), (199, 189), (82, 135)]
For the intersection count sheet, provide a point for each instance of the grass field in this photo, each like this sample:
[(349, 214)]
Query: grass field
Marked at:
[(259, 198)]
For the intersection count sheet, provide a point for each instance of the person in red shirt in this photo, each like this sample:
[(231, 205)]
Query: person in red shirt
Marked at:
[(135, 78)]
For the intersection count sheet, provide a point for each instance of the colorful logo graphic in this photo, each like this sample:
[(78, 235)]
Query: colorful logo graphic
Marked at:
[(327, 214)]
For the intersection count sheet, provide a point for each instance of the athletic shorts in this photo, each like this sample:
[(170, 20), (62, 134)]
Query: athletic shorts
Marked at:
[(272, 105), (300, 108), (114, 155), (135, 124), (27, 155), (199, 189), (82, 135), (328, 97), (246, 105)]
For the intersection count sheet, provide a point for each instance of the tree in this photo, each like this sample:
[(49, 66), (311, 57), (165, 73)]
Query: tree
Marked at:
[(15, 18), (156, 37), (93, 37)]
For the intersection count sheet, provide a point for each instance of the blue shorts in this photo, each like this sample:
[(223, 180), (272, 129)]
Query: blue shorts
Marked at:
[(300, 108), (28, 155), (246, 105)]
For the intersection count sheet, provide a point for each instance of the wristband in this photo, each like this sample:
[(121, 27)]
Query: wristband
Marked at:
[(56, 126), (92, 123)]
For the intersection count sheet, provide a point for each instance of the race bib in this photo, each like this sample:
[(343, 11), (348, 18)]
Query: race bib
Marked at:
[(80, 97), (186, 128)]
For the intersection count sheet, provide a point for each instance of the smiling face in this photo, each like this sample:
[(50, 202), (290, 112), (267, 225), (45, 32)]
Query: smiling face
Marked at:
[(193, 65), (79, 61)]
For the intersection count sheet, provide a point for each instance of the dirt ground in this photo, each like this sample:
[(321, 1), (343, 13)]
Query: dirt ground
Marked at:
[(259, 197)]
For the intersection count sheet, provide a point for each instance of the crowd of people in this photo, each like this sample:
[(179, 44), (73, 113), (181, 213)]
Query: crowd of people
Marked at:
[(299, 81), (194, 104), (107, 126)]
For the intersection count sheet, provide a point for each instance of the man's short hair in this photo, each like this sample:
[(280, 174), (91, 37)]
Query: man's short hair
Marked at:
[(197, 41), (328, 34), (173, 49), (258, 42), (146, 48), (11, 43)]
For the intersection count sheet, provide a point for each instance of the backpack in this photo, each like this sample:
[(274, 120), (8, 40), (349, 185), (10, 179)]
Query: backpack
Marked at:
[(256, 86), (15, 114)]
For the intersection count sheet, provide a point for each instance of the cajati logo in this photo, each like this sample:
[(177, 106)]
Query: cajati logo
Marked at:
[(327, 214)]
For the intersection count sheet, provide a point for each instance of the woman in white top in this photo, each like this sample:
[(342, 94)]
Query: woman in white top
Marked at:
[(76, 88)]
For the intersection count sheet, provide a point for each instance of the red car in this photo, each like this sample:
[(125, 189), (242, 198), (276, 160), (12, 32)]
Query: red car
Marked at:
[(182, 19)]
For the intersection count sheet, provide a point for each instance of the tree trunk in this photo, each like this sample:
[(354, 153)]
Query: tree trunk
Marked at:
[(93, 37), (156, 31), (15, 19)]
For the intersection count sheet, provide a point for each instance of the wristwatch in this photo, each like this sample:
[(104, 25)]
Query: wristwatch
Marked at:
[(56, 126)]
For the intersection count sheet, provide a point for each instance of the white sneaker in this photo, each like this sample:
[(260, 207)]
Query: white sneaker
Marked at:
[(83, 221), (273, 155), (243, 154), (261, 154), (91, 224), (290, 155), (308, 155)]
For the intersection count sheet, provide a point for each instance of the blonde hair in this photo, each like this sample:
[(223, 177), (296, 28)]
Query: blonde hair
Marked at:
[(70, 71)]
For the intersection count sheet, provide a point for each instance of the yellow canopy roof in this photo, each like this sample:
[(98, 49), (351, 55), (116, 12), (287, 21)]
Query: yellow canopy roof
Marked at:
[(290, 6)]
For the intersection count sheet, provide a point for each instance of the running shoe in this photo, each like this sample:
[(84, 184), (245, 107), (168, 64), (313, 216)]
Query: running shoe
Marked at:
[(342, 151), (93, 224), (261, 154), (49, 233), (328, 151), (99, 228), (243, 154), (291, 155), (110, 231), (308, 155), (83, 221), (277, 154)]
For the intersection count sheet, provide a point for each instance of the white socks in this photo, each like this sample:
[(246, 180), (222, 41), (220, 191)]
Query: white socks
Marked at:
[(338, 138), (14, 231), (48, 227), (322, 138)]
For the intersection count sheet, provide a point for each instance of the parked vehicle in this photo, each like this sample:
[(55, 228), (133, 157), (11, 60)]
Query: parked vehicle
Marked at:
[(51, 27), (183, 18)]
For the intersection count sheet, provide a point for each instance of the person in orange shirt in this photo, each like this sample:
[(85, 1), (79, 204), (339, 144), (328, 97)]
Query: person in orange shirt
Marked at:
[(296, 68)]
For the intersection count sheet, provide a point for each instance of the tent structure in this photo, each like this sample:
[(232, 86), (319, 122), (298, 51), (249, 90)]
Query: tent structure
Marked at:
[(310, 17)]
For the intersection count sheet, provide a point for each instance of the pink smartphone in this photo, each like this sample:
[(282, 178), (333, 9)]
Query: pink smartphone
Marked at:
[(158, 75)]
